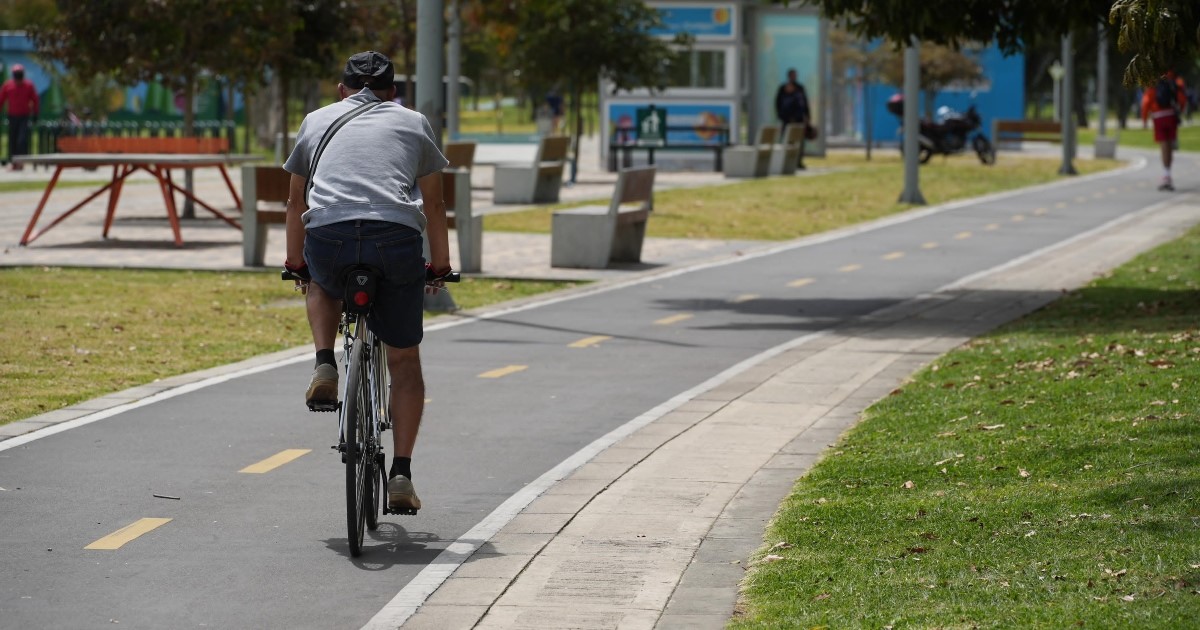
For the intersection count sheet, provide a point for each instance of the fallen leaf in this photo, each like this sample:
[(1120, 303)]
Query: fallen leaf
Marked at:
[(1128, 598), (990, 427), (908, 485), (946, 434), (772, 558), (1030, 533), (821, 596), (1024, 473), (782, 545)]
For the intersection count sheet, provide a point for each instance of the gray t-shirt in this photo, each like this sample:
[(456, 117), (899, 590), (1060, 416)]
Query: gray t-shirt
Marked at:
[(369, 169)]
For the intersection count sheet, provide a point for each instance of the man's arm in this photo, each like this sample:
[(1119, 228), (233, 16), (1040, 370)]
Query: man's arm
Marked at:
[(294, 224), (435, 221)]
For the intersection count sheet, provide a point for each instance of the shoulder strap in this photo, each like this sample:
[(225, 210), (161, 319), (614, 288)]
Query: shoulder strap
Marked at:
[(337, 125)]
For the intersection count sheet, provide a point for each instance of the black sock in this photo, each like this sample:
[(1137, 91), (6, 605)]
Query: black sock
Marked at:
[(326, 356), (401, 466)]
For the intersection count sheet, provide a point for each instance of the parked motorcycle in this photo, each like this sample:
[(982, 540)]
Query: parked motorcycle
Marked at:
[(950, 135)]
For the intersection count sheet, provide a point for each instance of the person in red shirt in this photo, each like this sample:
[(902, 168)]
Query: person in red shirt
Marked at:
[(22, 100), (1163, 109)]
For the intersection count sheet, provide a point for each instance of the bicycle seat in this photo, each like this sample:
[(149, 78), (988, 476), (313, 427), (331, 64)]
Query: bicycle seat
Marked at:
[(360, 282)]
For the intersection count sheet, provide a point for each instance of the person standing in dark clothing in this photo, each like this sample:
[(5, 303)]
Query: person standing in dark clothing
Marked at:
[(791, 106), (22, 100)]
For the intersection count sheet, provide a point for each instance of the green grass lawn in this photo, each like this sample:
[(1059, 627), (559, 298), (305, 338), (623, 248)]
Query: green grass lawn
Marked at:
[(1046, 475), (74, 334), (1137, 137), (781, 208)]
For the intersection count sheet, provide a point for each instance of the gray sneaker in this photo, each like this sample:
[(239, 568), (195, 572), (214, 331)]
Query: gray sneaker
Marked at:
[(402, 497), (322, 394)]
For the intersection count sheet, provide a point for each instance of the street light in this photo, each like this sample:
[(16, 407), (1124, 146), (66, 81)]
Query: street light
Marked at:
[(1056, 73)]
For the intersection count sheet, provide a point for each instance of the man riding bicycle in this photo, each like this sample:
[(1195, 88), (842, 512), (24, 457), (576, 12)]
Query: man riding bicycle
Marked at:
[(363, 188)]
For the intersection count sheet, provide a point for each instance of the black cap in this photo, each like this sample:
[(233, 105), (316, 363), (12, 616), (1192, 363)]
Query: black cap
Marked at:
[(368, 69)]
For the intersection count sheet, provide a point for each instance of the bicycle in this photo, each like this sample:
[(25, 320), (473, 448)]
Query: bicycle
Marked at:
[(363, 409)]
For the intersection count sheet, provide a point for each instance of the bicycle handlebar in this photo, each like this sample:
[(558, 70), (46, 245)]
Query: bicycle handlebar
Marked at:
[(453, 276)]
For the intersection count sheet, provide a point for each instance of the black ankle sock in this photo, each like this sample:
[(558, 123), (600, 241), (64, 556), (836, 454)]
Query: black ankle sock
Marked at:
[(401, 466), (326, 356)]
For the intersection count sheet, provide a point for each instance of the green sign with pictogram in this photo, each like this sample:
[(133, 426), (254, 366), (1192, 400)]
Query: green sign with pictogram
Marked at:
[(651, 126)]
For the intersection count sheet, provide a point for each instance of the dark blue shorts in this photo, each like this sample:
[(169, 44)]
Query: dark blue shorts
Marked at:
[(394, 249)]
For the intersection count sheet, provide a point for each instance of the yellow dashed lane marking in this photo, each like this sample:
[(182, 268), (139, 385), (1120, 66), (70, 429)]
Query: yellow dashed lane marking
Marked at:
[(504, 371), (588, 342), (849, 268), (992, 226), (929, 245), (802, 282), (1040, 211), (1098, 195), (1081, 199), (275, 461), (674, 319), (1112, 189), (1061, 204), (741, 299), (1017, 218), (117, 539), (893, 256), (962, 235)]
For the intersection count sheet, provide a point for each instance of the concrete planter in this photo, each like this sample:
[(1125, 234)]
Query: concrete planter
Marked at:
[(1106, 147)]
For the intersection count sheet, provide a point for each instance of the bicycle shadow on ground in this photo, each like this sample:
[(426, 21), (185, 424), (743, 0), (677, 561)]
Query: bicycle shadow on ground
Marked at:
[(391, 545)]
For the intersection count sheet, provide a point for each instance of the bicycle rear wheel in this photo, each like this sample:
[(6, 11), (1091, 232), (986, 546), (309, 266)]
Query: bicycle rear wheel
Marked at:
[(356, 433)]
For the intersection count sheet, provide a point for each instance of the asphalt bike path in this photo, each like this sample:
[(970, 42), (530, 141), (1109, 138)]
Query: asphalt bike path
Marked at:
[(223, 506)]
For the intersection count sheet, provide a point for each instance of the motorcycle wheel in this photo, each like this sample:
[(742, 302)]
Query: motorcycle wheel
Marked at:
[(985, 150)]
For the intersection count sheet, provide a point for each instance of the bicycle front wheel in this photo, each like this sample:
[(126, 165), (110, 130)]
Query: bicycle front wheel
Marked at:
[(356, 433)]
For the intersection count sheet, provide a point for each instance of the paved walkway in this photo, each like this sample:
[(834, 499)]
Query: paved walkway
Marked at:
[(656, 528)]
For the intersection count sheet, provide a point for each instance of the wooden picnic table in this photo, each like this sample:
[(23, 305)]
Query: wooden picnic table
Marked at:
[(159, 165)]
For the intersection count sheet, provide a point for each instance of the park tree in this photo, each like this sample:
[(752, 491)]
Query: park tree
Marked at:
[(941, 67), (1156, 33), (173, 41), (574, 43), (19, 15)]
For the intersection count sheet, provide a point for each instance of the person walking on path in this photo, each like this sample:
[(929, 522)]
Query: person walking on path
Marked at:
[(1162, 104), (21, 97), (791, 106), (377, 186)]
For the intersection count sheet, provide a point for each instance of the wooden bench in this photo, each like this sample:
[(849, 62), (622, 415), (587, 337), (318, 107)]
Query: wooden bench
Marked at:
[(461, 154), (752, 160), (1018, 130), (467, 226), (590, 237), (264, 202), (539, 182), (103, 144), (785, 157)]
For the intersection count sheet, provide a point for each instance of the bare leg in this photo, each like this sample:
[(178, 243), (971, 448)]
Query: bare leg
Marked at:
[(408, 397), (323, 315), (1166, 154)]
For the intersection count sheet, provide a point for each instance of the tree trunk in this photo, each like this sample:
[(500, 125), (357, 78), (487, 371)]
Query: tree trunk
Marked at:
[(577, 109), (283, 116)]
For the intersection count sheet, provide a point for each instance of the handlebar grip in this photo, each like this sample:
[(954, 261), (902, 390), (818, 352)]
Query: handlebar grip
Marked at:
[(289, 276), (453, 276)]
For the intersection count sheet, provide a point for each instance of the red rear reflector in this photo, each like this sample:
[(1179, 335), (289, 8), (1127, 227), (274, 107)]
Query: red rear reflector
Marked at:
[(361, 298)]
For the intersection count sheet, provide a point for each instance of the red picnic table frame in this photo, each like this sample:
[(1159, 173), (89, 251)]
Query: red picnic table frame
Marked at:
[(123, 165)]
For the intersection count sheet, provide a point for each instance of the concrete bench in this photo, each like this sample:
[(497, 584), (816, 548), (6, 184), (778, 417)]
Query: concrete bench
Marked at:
[(590, 237), (539, 182), (785, 157), (264, 202), (468, 226), (752, 160)]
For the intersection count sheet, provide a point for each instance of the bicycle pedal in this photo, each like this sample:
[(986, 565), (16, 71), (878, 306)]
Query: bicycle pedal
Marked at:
[(403, 511), (324, 405)]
